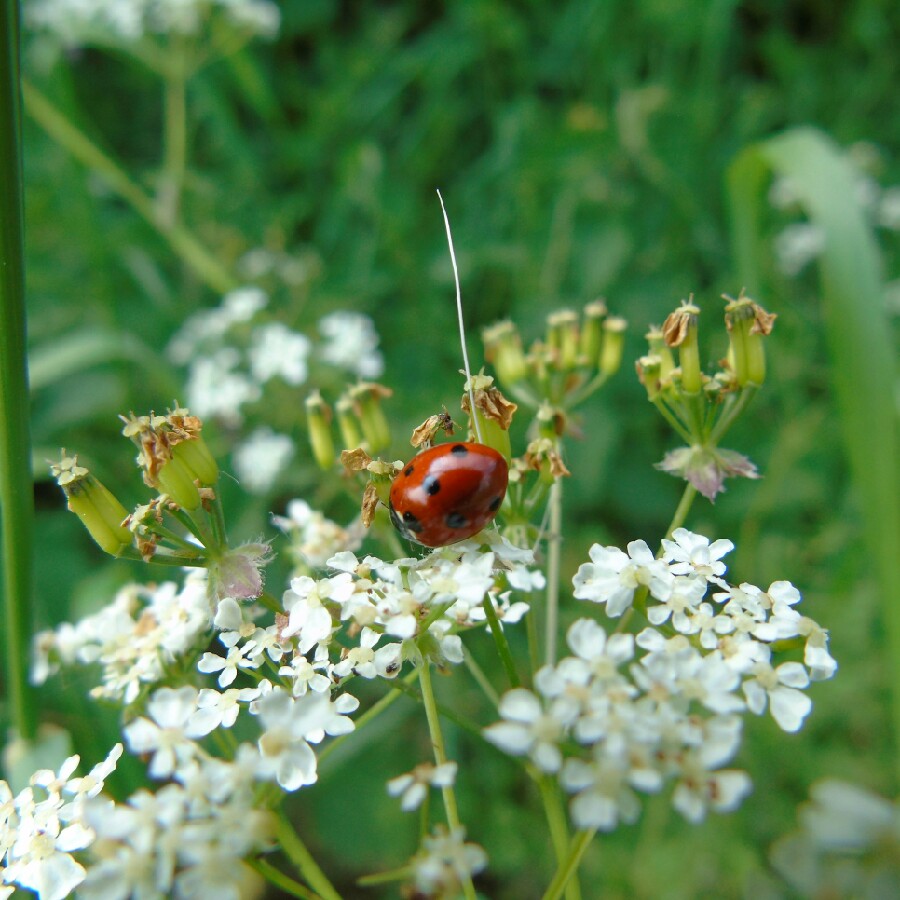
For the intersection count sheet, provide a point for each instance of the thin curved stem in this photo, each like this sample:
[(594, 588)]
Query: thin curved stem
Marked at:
[(683, 508), (501, 642), (299, 855), (554, 563), (567, 870), (280, 880), (67, 135)]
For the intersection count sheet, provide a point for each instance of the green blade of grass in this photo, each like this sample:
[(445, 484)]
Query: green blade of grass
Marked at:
[(857, 331), (16, 495)]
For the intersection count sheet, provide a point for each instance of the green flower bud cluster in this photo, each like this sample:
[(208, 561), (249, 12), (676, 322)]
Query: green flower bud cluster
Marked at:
[(576, 356), (178, 464), (700, 407), (173, 455), (360, 418)]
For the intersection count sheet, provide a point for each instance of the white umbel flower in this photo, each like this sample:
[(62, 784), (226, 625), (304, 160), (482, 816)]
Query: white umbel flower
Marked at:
[(613, 576)]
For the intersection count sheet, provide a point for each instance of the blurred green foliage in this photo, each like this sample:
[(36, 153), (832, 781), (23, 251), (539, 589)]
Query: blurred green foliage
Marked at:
[(581, 148)]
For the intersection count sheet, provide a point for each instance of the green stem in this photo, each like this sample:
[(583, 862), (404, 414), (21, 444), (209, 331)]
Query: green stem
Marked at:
[(727, 418), (683, 508), (290, 843), (160, 558), (587, 389), (673, 420), (501, 642), (554, 562), (185, 245), (378, 878), (16, 494), (373, 712), (280, 880), (218, 521), (556, 822), (481, 679), (445, 711), (567, 870), (440, 757), (174, 136), (206, 532)]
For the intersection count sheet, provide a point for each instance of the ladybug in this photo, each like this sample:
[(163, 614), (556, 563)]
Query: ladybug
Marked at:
[(448, 493)]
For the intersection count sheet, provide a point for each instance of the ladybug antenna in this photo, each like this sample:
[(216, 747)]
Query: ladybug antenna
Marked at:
[(462, 327)]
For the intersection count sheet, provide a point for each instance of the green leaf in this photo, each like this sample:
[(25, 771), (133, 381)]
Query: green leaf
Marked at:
[(857, 330), (84, 349)]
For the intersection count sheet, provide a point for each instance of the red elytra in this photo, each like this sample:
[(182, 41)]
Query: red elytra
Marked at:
[(448, 493)]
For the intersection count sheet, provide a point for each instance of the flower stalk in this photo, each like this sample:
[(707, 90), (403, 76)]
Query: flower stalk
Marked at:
[(440, 757)]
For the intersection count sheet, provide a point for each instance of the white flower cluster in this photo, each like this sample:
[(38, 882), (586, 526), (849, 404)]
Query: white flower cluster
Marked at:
[(43, 825), (663, 705), (382, 604), (445, 862), (133, 639), (848, 844), (233, 355), (83, 22), (261, 458), (315, 538)]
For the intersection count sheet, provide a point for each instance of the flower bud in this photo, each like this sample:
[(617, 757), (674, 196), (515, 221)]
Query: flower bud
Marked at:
[(503, 348), (562, 339), (591, 338), (195, 455), (175, 479), (99, 510), (680, 330), (613, 342), (320, 439), (748, 324), (367, 398), (649, 371), (661, 351), (348, 422), (493, 413)]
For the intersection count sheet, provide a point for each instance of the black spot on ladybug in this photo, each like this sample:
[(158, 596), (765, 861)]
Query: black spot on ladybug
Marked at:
[(495, 504), (459, 449), (408, 471), (431, 485), (456, 520), (411, 523)]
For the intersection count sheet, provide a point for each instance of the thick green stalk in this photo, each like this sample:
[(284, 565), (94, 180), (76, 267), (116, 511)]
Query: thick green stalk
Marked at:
[(16, 495), (204, 265)]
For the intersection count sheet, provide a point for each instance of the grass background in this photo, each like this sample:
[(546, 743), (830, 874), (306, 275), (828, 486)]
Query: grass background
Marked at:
[(582, 149)]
